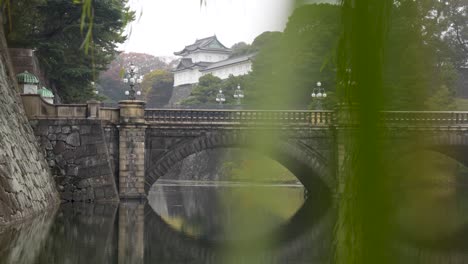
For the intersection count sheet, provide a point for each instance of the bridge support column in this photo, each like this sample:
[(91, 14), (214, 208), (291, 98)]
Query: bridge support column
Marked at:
[(132, 131)]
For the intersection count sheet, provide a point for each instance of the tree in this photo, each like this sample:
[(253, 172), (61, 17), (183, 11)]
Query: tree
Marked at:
[(157, 88), (111, 79), (417, 63), (446, 22), (441, 100), (204, 93), (55, 33), (265, 39), (288, 65), (240, 48)]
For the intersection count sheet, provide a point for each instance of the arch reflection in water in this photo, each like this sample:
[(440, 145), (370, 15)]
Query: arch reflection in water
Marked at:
[(304, 237), (431, 208)]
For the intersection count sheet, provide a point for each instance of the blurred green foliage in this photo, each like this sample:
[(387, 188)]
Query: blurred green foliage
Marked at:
[(414, 70), (363, 233)]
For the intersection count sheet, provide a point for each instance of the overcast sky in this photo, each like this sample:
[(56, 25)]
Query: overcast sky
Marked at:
[(166, 26)]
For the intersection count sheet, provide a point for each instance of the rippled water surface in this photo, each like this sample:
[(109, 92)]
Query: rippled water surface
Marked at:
[(182, 222), (189, 222)]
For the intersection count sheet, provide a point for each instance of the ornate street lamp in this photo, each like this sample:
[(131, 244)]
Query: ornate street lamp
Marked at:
[(319, 92), (238, 94), (132, 79), (220, 98)]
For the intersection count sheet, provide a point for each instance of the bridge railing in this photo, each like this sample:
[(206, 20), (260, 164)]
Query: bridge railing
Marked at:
[(175, 116), (417, 118)]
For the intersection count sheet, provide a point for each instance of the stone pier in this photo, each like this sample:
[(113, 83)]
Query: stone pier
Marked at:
[(132, 131)]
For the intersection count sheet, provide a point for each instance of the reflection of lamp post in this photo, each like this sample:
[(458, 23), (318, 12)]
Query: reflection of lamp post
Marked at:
[(132, 79), (220, 97), (238, 94), (319, 93)]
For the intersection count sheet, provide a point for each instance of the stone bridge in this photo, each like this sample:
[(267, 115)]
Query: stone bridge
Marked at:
[(100, 153)]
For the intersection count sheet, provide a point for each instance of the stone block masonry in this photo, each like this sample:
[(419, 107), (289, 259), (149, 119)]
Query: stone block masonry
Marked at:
[(26, 186), (132, 134), (78, 155), (132, 165)]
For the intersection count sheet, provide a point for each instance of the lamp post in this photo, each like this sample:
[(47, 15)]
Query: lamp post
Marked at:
[(95, 90), (238, 94), (319, 93), (132, 79), (220, 98)]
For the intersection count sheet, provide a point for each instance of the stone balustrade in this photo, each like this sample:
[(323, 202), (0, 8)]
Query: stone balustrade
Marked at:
[(298, 117), (37, 108), (424, 118)]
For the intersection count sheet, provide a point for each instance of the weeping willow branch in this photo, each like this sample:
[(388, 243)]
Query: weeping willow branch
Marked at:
[(361, 234), (87, 18)]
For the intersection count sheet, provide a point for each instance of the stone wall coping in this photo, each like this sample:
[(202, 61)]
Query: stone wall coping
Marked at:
[(37, 108), (131, 103)]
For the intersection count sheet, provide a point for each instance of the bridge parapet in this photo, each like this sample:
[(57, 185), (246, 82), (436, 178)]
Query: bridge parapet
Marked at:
[(296, 117), (79, 137), (36, 108), (424, 118)]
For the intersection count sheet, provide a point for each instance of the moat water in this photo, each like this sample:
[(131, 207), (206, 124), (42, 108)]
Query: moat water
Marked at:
[(225, 222)]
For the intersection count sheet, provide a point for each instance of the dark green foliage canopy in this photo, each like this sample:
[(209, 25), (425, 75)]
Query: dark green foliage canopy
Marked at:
[(242, 48), (290, 64), (157, 88), (53, 29), (204, 93)]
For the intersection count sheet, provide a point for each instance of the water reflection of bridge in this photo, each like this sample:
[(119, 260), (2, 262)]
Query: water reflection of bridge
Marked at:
[(131, 232)]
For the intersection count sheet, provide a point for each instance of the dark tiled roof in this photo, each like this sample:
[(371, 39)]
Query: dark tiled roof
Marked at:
[(186, 63), (229, 62), (207, 44)]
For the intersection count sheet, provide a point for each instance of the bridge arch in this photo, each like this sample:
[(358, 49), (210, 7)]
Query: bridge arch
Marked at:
[(308, 165), (446, 141)]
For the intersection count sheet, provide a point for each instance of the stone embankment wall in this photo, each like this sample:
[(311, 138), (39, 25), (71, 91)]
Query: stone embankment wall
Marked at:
[(26, 185), (79, 157), (179, 93)]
